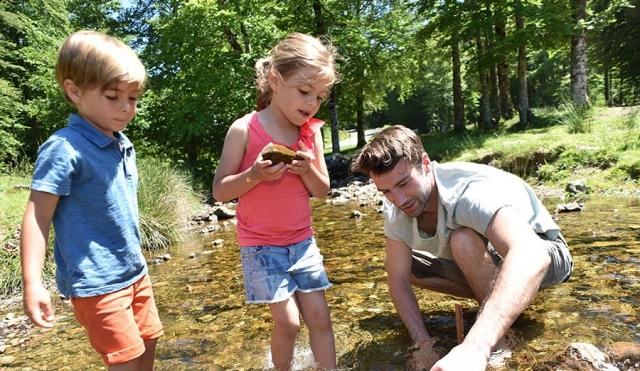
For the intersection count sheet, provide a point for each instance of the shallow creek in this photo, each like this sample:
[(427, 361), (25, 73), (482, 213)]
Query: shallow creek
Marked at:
[(208, 326)]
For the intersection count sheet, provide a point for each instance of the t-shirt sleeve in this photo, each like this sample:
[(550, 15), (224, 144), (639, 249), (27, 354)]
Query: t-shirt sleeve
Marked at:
[(56, 163), (387, 210), (477, 205)]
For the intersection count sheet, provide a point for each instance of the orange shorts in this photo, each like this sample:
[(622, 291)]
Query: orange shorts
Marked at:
[(118, 323)]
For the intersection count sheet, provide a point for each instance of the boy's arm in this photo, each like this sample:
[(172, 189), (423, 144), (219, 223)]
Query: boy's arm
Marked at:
[(227, 182), (313, 170), (33, 246)]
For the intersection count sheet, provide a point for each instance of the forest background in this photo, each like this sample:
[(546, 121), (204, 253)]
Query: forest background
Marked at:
[(431, 65), (465, 74)]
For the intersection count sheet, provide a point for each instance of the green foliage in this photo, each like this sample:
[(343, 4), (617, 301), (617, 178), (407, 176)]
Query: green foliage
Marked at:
[(166, 201), (631, 168), (572, 159), (32, 30), (632, 118), (13, 198)]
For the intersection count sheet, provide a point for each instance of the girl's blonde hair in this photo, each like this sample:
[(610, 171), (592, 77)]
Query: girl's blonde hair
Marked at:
[(293, 53), (93, 59)]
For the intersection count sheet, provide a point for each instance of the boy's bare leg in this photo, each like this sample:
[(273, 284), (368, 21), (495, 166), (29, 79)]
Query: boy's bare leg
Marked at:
[(147, 359), (315, 313), (286, 318), (132, 365), (143, 363)]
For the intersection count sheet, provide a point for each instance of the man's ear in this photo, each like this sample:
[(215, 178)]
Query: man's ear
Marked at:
[(72, 90), (426, 162)]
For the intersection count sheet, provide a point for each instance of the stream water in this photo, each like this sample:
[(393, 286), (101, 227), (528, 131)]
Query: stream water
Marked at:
[(208, 326)]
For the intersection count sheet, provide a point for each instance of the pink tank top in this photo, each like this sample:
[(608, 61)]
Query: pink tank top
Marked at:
[(274, 213)]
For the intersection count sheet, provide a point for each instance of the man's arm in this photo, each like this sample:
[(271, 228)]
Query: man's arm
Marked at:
[(33, 246), (398, 266), (523, 269)]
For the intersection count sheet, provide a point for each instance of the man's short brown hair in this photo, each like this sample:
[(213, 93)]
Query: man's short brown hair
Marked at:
[(389, 146), (93, 59)]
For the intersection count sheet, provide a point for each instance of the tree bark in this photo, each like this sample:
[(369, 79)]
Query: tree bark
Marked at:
[(579, 94), (523, 94), (504, 85), (458, 101), (607, 87), (360, 118), (332, 105), (484, 104)]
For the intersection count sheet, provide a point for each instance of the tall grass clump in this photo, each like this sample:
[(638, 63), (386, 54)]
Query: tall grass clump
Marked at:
[(166, 200), (577, 119), (632, 119)]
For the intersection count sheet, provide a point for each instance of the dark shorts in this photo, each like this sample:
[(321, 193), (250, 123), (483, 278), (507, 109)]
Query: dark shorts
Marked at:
[(424, 265)]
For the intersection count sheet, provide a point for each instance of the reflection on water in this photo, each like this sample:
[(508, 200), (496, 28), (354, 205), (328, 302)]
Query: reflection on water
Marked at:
[(207, 325)]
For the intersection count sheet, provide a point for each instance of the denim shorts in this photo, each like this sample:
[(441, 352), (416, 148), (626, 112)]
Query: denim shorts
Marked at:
[(425, 265), (273, 273)]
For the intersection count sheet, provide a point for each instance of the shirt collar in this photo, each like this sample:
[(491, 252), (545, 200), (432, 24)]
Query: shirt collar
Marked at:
[(96, 136)]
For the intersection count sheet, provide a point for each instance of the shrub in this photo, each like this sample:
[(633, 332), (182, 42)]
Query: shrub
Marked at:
[(166, 200), (577, 119)]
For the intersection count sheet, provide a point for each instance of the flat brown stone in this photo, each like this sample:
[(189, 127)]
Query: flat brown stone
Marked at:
[(621, 351), (279, 153)]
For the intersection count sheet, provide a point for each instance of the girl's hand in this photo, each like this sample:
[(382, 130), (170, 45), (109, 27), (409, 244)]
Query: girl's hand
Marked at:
[(264, 170), (301, 167)]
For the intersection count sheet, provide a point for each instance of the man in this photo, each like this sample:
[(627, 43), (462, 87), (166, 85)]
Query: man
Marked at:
[(463, 229)]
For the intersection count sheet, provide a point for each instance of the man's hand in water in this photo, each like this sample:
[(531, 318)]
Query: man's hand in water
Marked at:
[(463, 357), (423, 356)]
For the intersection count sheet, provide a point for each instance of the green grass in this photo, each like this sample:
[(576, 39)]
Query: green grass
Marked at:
[(166, 201), (552, 152), (165, 198), (13, 199)]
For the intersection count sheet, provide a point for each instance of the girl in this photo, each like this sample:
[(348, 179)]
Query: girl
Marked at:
[(281, 263)]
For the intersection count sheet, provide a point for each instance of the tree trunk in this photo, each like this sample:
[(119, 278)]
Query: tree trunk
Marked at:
[(458, 101), (579, 55), (493, 97), (607, 87), (620, 82), (504, 85), (360, 118), (484, 104), (332, 105), (523, 97)]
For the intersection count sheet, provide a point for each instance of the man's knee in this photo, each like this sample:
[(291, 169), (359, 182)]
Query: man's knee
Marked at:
[(464, 240)]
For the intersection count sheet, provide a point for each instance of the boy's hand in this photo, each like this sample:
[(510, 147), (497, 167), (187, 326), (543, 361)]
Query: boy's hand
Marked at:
[(301, 167), (37, 305)]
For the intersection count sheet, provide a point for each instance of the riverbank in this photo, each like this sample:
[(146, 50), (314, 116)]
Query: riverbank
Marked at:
[(604, 161)]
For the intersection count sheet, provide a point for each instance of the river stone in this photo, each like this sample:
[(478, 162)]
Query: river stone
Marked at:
[(279, 153), (7, 360), (622, 351)]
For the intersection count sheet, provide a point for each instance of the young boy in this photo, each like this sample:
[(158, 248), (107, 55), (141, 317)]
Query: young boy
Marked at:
[(85, 181)]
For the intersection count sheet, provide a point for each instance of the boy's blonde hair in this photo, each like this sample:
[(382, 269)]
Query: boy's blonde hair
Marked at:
[(293, 53), (93, 59)]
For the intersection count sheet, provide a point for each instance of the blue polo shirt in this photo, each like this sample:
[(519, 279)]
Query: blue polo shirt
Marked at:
[(97, 241)]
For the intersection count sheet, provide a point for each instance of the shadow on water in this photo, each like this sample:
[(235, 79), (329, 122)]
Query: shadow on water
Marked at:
[(208, 326)]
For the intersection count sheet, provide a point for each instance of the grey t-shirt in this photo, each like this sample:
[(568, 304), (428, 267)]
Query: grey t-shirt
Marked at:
[(469, 195)]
